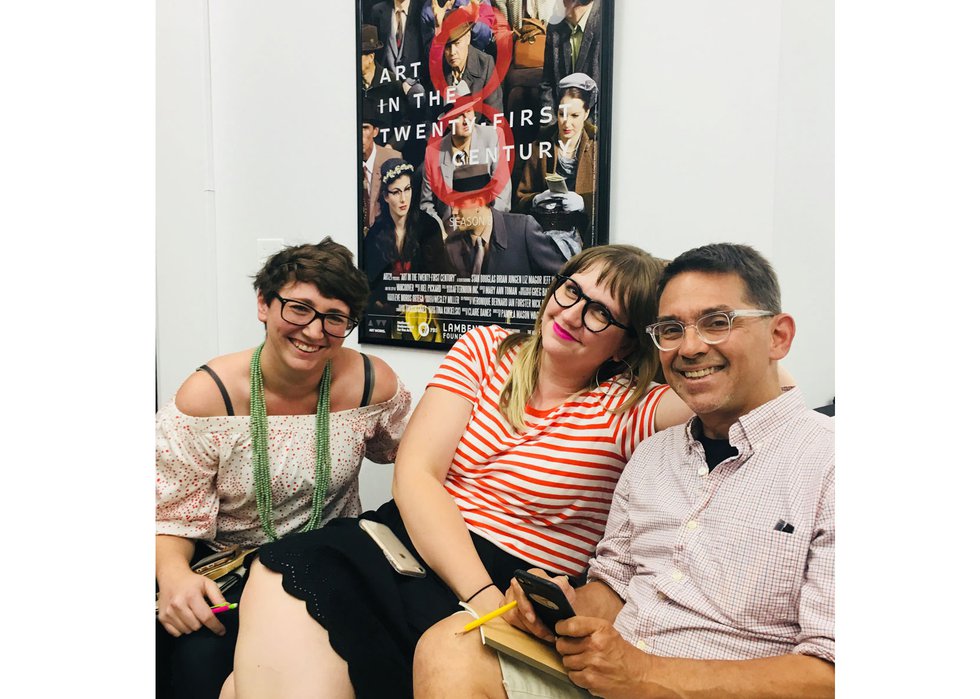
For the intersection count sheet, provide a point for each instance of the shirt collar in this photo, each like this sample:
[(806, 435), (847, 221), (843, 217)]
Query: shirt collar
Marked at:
[(371, 158), (755, 426), (403, 6)]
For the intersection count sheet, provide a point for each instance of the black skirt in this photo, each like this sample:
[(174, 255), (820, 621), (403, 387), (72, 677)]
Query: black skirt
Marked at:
[(374, 615)]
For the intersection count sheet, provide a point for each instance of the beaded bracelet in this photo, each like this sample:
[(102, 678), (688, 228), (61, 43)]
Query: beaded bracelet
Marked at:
[(485, 587)]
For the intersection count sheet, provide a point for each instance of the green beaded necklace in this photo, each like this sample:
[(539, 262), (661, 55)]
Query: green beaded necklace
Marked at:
[(259, 424)]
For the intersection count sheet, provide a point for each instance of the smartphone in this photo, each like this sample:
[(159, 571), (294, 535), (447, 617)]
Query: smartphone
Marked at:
[(548, 600), (400, 558)]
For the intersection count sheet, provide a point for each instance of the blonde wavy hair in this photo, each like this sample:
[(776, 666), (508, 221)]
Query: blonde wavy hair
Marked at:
[(631, 274)]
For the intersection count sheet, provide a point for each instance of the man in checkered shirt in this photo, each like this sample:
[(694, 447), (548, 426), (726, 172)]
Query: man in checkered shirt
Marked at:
[(715, 577)]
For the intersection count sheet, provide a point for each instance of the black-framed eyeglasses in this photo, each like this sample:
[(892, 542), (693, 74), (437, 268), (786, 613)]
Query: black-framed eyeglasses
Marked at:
[(712, 328), (299, 313), (595, 316)]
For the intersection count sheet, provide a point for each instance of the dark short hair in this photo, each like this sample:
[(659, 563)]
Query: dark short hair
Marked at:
[(757, 275), (329, 266)]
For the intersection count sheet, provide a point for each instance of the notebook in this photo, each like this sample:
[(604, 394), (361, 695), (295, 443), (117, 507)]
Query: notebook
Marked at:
[(504, 638)]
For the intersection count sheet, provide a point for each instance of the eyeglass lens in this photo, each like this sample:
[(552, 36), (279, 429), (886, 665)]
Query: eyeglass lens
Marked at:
[(712, 328), (596, 317), (336, 324)]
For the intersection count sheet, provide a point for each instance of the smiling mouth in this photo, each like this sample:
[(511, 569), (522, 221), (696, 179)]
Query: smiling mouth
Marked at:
[(303, 347), (700, 373)]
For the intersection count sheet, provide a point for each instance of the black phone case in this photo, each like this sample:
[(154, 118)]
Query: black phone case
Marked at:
[(558, 607)]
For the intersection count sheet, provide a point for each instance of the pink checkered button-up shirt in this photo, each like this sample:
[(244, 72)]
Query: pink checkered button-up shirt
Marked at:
[(733, 564)]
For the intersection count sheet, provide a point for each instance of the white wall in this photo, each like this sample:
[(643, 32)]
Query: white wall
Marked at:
[(723, 131)]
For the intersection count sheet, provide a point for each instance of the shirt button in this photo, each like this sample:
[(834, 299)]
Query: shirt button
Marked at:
[(692, 524), (703, 471), (676, 574), (641, 645)]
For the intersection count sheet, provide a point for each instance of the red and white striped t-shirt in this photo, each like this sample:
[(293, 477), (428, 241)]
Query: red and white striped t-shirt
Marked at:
[(542, 495)]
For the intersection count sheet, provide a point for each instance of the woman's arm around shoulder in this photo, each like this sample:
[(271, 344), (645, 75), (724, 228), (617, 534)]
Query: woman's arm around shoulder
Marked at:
[(671, 410)]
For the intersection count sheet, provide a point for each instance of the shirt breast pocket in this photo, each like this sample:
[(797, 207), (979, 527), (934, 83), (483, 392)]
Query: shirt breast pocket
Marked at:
[(754, 574)]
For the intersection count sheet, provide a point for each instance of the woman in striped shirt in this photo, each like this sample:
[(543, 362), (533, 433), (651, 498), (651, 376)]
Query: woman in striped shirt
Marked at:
[(509, 461)]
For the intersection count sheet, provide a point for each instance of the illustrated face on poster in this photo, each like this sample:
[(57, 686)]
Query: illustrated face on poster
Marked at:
[(483, 165)]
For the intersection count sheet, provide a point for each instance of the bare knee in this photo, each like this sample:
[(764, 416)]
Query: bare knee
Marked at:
[(451, 665), (437, 653)]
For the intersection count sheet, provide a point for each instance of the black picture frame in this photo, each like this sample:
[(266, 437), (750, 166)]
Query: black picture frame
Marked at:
[(423, 293)]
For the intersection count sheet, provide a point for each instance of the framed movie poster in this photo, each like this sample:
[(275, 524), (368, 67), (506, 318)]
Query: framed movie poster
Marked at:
[(484, 141)]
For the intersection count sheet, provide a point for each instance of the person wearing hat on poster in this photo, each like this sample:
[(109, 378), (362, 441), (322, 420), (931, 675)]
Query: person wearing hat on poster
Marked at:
[(463, 63), (464, 143), (374, 90), (434, 13), (563, 219), (573, 44), (486, 241), (373, 158), (572, 149), (402, 241)]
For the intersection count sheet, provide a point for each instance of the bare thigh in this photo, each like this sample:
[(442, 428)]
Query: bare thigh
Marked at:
[(282, 650)]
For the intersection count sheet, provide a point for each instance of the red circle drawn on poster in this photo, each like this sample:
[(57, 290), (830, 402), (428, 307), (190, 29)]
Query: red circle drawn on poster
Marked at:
[(505, 51), (501, 175), (505, 48)]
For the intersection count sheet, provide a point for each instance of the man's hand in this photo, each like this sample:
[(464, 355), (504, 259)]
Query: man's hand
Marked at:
[(600, 660), (523, 617), (184, 605)]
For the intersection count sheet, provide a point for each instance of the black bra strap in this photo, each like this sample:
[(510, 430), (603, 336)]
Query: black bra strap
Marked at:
[(221, 387), (368, 380)]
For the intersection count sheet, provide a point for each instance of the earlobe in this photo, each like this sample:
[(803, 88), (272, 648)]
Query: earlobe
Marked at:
[(781, 339)]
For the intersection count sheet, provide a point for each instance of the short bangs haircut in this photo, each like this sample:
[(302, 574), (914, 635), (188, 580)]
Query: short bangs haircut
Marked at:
[(329, 266)]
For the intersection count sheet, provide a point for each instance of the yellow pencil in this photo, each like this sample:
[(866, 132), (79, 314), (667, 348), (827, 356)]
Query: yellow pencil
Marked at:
[(487, 617)]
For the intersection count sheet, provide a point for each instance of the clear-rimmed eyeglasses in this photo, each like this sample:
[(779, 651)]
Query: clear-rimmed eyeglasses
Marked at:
[(712, 328), (595, 316), (298, 313)]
